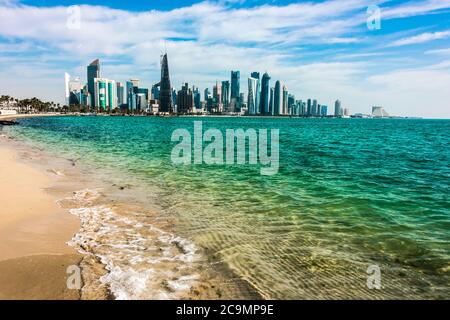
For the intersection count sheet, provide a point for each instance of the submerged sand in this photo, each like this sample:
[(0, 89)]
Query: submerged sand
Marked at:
[(33, 233), (38, 190)]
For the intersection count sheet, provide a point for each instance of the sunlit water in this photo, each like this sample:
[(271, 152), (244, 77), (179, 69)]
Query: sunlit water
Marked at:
[(350, 193)]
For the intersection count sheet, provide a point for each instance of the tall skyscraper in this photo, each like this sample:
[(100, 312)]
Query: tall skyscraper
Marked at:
[(207, 94), (285, 100), (165, 95), (105, 94), (131, 96), (256, 76), (66, 88), (235, 84), (278, 99), (174, 98), (265, 92), (337, 108), (217, 96), (314, 111), (291, 105), (309, 108), (185, 100), (251, 98), (120, 94), (93, 71), (240, 103), (155, 93), (271, 101), (197, 97), (225, 94)]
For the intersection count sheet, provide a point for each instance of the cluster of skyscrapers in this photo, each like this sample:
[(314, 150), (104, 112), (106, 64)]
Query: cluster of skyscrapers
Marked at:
[(105, 95)]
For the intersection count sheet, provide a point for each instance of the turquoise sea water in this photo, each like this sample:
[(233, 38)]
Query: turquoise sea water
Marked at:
[(350, 193)]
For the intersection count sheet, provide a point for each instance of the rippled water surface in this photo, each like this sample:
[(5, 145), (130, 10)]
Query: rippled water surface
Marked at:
[(350, 193)]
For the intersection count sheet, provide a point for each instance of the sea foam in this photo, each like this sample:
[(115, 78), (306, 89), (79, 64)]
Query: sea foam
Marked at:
[(142, 260)]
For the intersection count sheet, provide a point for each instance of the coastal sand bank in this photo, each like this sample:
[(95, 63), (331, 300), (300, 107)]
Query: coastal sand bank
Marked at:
[(33, 233)]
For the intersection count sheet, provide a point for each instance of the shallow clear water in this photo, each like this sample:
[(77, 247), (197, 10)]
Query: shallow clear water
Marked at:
[(350, 193)]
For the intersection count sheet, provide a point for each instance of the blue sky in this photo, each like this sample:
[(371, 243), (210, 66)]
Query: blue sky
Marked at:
[(319, 49)]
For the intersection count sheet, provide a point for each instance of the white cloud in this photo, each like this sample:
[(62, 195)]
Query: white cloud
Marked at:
[(414, 8), (206, 41), (421, 38), (445, 51)]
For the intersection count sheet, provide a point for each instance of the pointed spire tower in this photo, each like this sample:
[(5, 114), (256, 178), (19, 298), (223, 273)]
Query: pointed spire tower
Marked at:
[(166, 89)]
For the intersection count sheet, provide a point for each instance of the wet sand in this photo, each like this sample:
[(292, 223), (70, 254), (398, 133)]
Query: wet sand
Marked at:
[(33, 233)]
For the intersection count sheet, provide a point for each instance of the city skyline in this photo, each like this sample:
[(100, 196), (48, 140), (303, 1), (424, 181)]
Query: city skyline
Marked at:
[(100, 94), (404, 66)]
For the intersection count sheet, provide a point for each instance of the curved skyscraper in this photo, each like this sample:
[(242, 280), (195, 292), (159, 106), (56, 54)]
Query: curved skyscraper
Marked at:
[(265, 91), (165, 94), (257, 93), (251, 98), (278, 99)]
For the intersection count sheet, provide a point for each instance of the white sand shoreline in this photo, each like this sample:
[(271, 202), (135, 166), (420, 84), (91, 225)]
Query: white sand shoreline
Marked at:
[(33, 234)]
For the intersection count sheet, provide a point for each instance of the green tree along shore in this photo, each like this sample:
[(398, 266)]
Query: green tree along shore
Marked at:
[(31, 105), (35, 105)]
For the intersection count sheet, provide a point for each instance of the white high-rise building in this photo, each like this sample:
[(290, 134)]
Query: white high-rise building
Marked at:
[(337, 108), (252, 95), (285, 101), (66, 88)]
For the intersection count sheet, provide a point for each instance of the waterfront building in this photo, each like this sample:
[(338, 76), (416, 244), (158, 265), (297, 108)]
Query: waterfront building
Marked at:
[(278, 99), (197, 98), (166, 93), (155, 92), (257, 92), (235, 84), (265, 95), (141, 102), (337, 108), (379, 112), (285, 100), (346, 112), (225, 98), (131, 96), (217, 97), (93, 72), (291, 105), (174, 99), (66, 88), (105, 94), (207, 94), (324, 111), (144, 91), (309, 108), (235, 91), (120, 94), (251, 97), (271, 102), (185, 100), (73, 90), (315, 109)]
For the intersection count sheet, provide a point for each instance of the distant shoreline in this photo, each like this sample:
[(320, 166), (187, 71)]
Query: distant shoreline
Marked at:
[(24, 116)]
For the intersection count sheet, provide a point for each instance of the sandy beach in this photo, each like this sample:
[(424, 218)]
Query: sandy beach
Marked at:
[(34, 256)]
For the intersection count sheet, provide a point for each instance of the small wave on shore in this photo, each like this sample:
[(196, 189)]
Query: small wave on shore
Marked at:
[(142, 260)]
